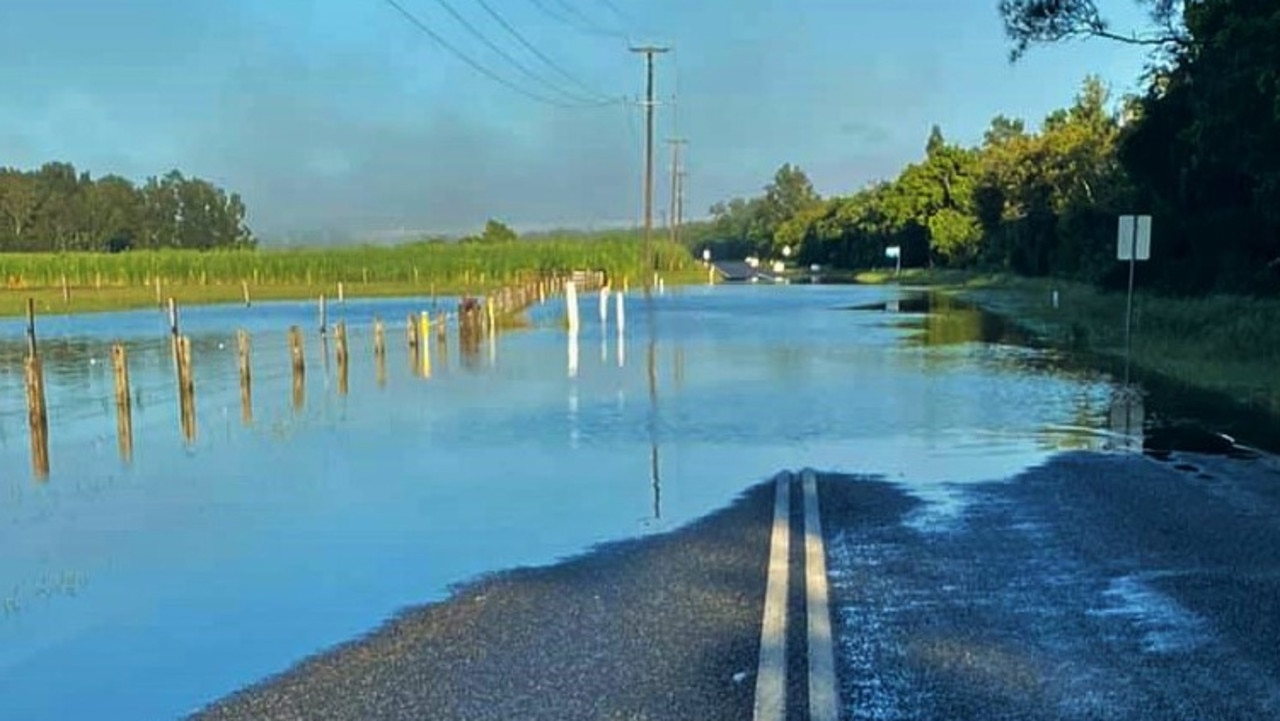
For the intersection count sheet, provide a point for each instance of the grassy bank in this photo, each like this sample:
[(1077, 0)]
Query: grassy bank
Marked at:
[(88, 282), (1225, 344)]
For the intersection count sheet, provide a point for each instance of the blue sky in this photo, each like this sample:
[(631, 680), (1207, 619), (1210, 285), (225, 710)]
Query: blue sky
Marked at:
[(340, 115)]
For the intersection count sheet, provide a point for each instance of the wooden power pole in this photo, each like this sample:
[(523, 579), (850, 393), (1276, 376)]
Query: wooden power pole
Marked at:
[(675, 187), (648, 51)]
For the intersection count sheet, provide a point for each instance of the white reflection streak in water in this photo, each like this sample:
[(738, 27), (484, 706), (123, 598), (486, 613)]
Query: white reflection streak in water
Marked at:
[(573, 355)]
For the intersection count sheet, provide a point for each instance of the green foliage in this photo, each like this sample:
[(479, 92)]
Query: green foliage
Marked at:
[(454, 264), (56, 209), (495, 232), (1201, 149)]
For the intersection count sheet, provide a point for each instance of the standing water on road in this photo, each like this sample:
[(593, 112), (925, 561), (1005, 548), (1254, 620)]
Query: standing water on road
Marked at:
[(150, 588)]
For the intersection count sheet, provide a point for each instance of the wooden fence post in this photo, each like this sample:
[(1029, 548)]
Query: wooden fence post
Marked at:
[(244, 350), (37, 412), (186, 389), (299, 363), (124, 403), (340, 338)]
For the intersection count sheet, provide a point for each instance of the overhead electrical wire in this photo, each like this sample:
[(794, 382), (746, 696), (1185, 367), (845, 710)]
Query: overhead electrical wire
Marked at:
[(480, 68), (475, 32), (584, 25), (538, 53)]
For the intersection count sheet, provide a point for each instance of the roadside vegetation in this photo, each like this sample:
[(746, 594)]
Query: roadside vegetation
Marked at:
[(1034, 207), (105, 281)]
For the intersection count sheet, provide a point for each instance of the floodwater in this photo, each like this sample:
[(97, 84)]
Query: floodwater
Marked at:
[(150, 587)]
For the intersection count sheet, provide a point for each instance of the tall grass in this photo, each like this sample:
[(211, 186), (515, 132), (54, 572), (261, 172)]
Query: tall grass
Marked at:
[(440, 263), (1224, 343)]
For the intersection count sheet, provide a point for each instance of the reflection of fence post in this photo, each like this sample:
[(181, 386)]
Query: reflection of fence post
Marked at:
[(186, 389), (424, 349), (37, 412), (380, 351), (340, 337), (124, 404), (299, 363), (243, 350)]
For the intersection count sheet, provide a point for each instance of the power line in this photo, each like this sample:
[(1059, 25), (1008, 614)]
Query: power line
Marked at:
[(585, 26), (622, 17), (534, 49), (475, 32), (470, 62)]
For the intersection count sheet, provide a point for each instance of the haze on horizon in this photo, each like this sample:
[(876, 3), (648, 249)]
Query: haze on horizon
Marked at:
[(341, 119)]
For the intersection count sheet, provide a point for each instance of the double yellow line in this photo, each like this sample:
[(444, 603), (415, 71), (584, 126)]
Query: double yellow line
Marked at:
[(771, 679)]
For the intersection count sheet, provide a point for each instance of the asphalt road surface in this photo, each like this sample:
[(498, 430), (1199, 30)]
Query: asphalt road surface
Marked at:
[(1094, 587)]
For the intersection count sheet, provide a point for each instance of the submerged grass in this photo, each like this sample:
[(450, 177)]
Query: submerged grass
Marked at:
[(1227, 344)]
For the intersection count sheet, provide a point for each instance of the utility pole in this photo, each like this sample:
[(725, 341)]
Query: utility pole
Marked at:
[(648, 51), (675, 144), (680, 202)]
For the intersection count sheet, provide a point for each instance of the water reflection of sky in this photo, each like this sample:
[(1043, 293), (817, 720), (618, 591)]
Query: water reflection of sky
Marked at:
[(146, 590)]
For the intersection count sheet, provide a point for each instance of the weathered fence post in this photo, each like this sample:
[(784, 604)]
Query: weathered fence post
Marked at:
[(243, 350), (186, 389), (340, 338), (37, 412), (124, 403), (244, 287), (299, 363), (380, 351), (324, 315)]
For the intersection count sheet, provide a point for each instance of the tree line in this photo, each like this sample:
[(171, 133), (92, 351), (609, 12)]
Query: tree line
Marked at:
[(1202, 157), (57, 209)]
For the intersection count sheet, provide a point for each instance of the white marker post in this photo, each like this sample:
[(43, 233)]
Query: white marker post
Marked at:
[(895, 251), (571, 306), (1133, 243), (604, 306)]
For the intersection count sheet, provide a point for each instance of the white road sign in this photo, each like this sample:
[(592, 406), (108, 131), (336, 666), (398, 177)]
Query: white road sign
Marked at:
[(893, 251), (1134, 234)]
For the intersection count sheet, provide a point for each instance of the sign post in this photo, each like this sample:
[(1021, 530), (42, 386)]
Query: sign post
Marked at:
[(1133, 243), (895, 251)]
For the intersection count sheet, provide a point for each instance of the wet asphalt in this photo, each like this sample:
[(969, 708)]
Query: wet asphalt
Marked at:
[(656, 629), (1096, 586), (1093, 587)]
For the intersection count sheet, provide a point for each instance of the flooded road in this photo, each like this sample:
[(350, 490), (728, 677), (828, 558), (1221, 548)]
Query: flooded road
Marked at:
[(150, 588)]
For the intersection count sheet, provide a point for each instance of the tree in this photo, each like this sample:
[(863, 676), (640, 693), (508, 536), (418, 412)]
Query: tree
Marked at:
[(790, 194), (1029, 22), (496, 232)]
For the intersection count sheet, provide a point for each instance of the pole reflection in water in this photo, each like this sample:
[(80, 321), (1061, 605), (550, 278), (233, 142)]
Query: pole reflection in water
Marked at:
[(575, 435), (573, 355), (1127, 414), (652, 368)]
